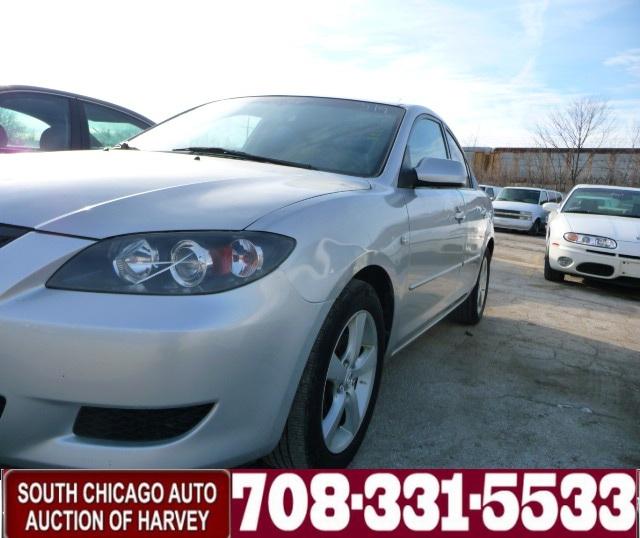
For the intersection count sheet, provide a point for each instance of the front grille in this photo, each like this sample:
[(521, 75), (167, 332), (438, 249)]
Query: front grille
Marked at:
[(598, 269), (3, 402), (138, 425), (507, 213), (9, 233)]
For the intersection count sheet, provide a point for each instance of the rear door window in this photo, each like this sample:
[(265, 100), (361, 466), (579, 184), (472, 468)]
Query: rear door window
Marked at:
[(108, 126), (456, 152), (32, 121)]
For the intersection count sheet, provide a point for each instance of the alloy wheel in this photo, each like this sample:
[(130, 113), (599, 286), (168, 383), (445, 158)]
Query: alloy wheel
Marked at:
[(350, 381)]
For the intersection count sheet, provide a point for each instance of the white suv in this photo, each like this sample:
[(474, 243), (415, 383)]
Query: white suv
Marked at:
[(520, 208)]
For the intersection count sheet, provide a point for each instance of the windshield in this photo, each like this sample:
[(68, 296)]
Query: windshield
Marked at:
[(612, 202), (334, 135), (528, 196)]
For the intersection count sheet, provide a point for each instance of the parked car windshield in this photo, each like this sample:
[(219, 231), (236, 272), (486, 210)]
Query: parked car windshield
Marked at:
[(528, 196), (613, 202), (334, 135)]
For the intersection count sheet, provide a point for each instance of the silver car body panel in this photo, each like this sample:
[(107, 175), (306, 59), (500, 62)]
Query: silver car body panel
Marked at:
[(244, 349), (100, 193)]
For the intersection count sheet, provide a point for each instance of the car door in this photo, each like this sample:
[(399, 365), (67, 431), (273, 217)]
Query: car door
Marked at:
[(34, 121), (476, 219), (436, 238), (104, 126)]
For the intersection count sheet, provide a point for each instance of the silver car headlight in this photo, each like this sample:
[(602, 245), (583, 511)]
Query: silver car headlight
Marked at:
[(590, 240), (173, 263)]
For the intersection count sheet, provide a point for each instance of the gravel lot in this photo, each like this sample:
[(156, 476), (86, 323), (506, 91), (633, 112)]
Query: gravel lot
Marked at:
[(549, 378)]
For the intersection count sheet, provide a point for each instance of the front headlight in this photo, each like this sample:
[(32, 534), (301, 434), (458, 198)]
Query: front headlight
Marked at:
[(590, 240), (526, 215), (173, 263)]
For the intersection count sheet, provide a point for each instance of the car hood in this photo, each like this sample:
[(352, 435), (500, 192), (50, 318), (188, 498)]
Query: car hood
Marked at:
[(618, 228), (104, 193), (515, 206)]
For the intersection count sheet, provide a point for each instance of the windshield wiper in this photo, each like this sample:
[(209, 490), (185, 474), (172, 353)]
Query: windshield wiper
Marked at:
[(124, 145), (235, 154)]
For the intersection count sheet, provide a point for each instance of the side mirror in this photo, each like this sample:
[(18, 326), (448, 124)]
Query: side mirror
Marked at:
[(441, 173), (550, 206)]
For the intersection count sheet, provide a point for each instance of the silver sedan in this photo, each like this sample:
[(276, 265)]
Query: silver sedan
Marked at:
[(227, 285)]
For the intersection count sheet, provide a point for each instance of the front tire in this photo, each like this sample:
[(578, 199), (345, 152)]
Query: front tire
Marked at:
[(338, 390), (471, 310), (550, 273), (535, 228)]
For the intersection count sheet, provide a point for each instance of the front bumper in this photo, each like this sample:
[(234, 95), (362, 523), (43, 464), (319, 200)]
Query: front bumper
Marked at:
[(512, 224), (623, 262), (242, 350)]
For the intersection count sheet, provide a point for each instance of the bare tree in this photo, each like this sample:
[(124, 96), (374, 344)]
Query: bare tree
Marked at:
[(586, 122), (471, 140)]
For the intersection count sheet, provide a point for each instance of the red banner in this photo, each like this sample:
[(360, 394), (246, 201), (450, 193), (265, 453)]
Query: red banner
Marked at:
[(441, 502), (116, 503), (453, 503)]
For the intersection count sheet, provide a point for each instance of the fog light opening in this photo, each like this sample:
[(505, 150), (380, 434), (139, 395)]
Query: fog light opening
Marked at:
[(564, 261)]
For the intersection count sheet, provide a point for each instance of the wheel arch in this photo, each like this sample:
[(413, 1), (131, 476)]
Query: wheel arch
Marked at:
[(490, 246), (380, 281)]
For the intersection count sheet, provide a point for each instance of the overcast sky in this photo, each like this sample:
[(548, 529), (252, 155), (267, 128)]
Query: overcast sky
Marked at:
[(489, 68)]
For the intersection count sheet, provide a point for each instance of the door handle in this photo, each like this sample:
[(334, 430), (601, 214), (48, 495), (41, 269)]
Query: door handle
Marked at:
[(459, 216)]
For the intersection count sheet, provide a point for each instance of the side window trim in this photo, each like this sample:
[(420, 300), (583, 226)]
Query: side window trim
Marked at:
[(78, 125)]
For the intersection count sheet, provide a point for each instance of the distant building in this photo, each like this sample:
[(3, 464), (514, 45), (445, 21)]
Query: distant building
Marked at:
[(550, 168)]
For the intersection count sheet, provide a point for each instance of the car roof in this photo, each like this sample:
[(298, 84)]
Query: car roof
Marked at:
[(587, 185), (527, 188), (61, 93)]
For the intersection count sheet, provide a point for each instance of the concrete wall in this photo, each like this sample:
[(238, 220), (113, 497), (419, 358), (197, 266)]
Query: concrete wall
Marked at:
[(550, 168)]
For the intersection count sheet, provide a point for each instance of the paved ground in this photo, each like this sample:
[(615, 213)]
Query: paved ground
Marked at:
[(549, 378)]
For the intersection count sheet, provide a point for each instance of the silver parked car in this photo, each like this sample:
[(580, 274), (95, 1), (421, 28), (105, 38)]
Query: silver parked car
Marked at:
[(41, 119), (520, 208), (226, 285)]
